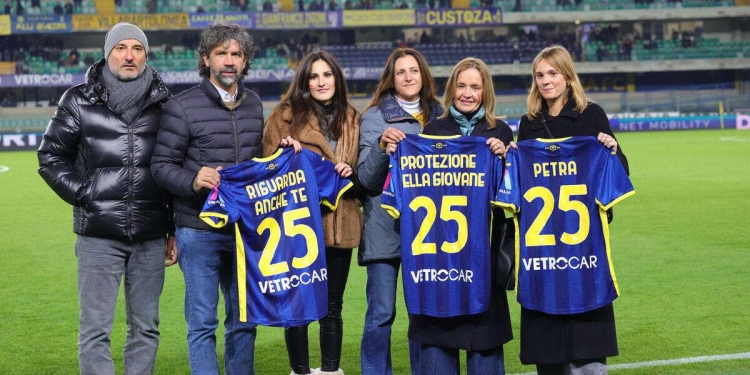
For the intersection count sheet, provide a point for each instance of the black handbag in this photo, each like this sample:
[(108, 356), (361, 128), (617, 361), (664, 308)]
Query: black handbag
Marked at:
[(504, 241)]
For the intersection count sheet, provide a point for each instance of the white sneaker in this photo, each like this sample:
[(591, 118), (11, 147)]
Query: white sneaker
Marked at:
[(318, 371)]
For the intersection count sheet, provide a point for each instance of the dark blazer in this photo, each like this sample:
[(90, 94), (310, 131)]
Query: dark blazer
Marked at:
[(99, 163), (547, 338), (490, 329)]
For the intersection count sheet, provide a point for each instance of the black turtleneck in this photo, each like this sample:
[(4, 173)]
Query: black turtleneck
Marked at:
[(327, 109)]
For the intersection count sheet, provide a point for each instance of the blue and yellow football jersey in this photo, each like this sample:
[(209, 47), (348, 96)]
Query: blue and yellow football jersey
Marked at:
[(274, 204), (441, 189), (559, 190)]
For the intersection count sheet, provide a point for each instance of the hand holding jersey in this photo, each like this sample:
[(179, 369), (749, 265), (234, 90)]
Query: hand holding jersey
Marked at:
[(274, 203), (559, 191), (440, 187)]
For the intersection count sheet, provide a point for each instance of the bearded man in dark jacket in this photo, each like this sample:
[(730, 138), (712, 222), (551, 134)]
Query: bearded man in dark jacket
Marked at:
[(216, 124), (95, 155)]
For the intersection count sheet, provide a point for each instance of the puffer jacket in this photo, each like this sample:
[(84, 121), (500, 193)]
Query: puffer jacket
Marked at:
[(98, 163), (197, 129), (379, 239), (341, 228)]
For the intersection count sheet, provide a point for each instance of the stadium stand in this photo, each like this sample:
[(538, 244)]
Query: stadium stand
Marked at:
[(628, 42), (49, 7), (574, 5)]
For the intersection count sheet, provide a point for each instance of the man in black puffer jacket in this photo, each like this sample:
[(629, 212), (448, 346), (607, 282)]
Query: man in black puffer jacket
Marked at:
[(96, 155)]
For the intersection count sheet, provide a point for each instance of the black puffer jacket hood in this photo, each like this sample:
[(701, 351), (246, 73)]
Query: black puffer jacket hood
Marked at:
[(98, 163)]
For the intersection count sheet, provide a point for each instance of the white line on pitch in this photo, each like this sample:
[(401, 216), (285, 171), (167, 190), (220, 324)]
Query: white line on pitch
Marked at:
[(671, 362)]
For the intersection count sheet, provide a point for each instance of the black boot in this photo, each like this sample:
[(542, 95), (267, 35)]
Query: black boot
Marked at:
[(297, 348), (331, 338)]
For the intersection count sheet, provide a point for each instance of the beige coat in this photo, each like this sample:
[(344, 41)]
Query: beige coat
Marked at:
[(343, 227)]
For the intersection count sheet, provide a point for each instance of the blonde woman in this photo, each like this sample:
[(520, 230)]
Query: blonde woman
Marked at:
[(558, 108)]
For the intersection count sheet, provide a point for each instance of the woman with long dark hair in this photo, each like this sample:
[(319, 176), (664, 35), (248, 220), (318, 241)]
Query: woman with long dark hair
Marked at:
[(317, 112)]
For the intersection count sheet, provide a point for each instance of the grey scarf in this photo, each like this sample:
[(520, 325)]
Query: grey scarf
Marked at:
[(125, 98)]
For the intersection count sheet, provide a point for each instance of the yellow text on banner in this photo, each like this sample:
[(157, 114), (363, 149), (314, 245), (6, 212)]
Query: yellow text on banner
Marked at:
[(378, 17), (172, 21), (5, 24)]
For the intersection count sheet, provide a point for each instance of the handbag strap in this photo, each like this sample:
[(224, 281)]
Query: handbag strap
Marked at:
[(544, 123)]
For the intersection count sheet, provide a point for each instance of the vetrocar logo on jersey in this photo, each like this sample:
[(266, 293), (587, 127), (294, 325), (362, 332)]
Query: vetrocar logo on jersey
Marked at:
[(561, 191), (441, 190), (274, 206)]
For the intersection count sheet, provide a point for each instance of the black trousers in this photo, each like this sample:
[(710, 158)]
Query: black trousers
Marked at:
[(331, 326)]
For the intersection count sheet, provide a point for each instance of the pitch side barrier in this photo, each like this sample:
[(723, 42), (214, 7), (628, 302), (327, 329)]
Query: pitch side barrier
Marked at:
[(30, 141), (737, 121)]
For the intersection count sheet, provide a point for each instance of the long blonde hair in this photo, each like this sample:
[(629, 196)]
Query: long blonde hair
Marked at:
[(488, 88), (560, 59)]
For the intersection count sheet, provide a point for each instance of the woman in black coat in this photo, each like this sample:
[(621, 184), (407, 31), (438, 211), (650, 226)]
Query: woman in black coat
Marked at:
[(558, 108), (470, 100)]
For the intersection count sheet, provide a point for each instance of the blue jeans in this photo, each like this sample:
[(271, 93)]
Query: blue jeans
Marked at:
[(102, 264), (442, 360), (382, 280), (207, 260)]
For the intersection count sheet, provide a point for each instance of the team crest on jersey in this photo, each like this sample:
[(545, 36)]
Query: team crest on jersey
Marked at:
[(272, 166), (553, 148), (439, 145)]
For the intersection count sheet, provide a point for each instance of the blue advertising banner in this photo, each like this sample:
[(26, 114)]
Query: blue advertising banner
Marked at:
[(40, 80), (203, 20), (738, 121), (297, 20), (458, 17), (189, 77), (40, 24), (20, 141)]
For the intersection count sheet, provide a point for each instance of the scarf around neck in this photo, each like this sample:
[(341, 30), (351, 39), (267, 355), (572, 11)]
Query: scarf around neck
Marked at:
[(467, 126), (125, 98)]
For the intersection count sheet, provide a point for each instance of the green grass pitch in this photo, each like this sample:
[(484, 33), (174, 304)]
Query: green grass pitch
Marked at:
[(681, 249)]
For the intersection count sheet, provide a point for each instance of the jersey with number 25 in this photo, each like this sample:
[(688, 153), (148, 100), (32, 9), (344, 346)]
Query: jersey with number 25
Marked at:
[(274, 203), (560, 190), (441, 189)]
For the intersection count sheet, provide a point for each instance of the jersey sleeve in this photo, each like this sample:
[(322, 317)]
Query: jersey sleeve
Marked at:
[(331, 186), (613, 183), (390, 199), (508, 193), (497, 171), (220, 208)]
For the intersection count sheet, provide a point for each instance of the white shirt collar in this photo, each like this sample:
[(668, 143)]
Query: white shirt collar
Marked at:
[(225, 96)]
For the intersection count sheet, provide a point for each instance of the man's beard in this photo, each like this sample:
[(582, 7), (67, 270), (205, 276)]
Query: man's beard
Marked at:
[(124, 78), (226, 81)]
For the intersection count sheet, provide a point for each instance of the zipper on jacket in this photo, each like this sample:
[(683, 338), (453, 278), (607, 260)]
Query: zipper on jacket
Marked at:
[(236, 139), (129, 211)]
